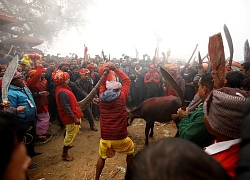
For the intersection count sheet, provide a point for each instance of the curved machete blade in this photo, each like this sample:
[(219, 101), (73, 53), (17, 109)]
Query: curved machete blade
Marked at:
[(230, 44), (168, 78), (246, 51), (7, 77)]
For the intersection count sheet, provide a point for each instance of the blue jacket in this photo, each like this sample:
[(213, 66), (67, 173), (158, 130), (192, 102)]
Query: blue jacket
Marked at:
[(22, 97)]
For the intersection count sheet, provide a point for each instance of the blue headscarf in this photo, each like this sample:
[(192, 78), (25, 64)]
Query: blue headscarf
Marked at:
[(109, 95)]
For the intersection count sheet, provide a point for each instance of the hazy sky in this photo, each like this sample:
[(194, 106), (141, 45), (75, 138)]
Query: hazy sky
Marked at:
[(119, 26)]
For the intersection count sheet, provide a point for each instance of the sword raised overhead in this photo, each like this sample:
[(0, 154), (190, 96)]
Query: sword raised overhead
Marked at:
[(7, 77), (230, 44)]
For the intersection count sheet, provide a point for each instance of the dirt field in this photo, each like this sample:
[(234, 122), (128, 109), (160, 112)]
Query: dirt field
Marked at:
[(52, 167)]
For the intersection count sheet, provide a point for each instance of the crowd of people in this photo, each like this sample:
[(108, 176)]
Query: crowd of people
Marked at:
[(212, 119)]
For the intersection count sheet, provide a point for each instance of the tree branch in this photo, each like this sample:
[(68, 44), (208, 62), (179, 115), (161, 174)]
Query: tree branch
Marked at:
[(8, 30), (6, 7)]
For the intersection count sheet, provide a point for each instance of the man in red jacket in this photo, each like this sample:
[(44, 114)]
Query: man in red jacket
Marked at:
[(38, 86), (69, 111), (113, 119), (152, 81)]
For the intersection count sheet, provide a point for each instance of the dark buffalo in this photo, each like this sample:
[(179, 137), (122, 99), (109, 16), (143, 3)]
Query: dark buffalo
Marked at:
[(156, 109)]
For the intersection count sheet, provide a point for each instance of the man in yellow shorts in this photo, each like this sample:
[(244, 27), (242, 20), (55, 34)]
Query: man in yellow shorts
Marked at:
[(113, 117), (69, 111)]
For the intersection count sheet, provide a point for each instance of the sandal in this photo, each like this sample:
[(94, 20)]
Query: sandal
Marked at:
[(32, 165), (40, 139)]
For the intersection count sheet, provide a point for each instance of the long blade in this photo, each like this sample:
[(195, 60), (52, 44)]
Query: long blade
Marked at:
[(199, 58), (170, 80), (164, 57), (209, 67), (193, 53), (7, 77), (230, 44), (205, 57), (246, 52)]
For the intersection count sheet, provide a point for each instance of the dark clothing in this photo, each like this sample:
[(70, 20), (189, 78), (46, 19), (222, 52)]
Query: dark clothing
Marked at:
[(152, 80), (86, 86), (243, 167), (95, 109), (51, 89), (74, 77), (95, 78), (137, 86), (79, 94), (50, 83), (190, 89), (126, 70)]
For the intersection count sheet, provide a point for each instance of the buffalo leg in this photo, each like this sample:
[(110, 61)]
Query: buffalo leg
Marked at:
[(148, 127), (152, 130)]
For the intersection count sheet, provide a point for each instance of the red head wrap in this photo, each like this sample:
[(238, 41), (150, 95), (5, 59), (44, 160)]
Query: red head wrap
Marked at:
[(84, 71), (90, 66), (32, 73), (59, 76)]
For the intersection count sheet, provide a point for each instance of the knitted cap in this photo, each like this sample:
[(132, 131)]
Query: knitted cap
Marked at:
[(224, 110)]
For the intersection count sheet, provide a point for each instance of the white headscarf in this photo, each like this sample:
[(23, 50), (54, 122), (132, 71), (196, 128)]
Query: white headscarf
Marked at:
[(113, 85)]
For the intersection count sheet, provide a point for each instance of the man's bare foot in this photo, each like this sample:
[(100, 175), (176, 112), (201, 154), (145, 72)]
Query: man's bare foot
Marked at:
[(67, 157)]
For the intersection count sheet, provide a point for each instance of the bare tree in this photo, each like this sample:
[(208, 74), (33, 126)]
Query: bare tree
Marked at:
[(43, 18)]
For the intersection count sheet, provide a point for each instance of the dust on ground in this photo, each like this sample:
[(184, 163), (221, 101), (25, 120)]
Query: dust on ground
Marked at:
[(85, 153)]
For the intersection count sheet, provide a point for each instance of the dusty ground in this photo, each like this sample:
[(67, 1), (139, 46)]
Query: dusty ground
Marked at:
[(52, 167)]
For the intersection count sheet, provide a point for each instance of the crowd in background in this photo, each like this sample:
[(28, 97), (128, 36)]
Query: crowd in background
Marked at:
[(38, 84)]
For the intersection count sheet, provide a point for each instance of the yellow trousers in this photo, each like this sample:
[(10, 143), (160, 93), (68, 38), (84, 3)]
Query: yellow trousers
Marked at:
[(71, 131)]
